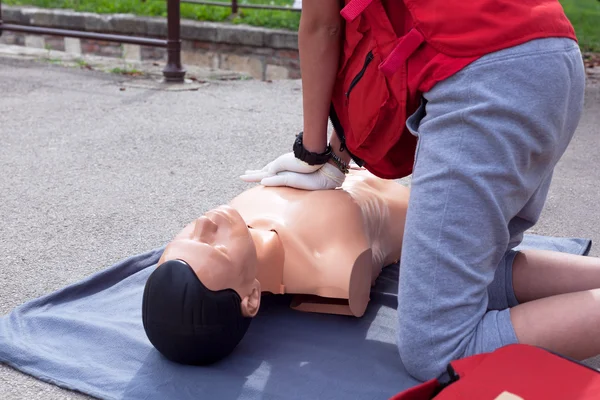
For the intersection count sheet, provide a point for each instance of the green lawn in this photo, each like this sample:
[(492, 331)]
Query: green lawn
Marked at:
[(585, 17), (584, 14), (267, 18)]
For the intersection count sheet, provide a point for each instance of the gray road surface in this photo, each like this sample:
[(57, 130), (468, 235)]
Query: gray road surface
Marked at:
[(91, 174)]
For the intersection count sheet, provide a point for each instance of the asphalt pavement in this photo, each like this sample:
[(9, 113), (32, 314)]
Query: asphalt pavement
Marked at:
[(95, 167)]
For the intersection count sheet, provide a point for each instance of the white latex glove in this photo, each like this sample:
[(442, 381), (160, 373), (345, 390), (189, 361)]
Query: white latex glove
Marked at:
[(286, 162), (326, 177), (287, 170)]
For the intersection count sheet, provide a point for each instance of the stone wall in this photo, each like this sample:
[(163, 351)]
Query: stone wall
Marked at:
[(265, 54)]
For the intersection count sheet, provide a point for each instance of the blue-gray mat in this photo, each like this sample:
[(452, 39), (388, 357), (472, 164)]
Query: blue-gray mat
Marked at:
[(89, 337)]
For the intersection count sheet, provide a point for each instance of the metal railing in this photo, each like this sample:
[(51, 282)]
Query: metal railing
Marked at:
[(173, 71), (235, 5)]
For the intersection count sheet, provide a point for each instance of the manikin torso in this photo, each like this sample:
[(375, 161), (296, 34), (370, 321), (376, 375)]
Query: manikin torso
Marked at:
[(335, 241)]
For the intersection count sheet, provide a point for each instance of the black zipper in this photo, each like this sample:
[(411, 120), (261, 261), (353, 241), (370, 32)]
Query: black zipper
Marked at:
[(360, 74)]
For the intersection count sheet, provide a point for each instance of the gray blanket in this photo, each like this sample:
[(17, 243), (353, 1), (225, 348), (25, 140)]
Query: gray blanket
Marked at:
[(89, 337)]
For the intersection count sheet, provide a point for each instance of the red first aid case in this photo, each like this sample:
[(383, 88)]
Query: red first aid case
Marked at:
[(513, 372)]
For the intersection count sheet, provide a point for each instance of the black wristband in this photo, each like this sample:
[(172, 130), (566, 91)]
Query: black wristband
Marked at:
[(309, 157)]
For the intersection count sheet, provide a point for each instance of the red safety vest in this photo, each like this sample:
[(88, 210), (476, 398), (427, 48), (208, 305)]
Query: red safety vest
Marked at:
[(395, 50)]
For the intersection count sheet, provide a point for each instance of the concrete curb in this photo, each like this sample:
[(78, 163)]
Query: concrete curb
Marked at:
[(129, 71), (129, 24)]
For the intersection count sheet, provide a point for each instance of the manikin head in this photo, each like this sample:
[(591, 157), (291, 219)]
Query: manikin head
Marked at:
[(199, 302)]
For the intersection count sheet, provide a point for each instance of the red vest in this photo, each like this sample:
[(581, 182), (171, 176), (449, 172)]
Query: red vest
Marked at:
[(394, 50)]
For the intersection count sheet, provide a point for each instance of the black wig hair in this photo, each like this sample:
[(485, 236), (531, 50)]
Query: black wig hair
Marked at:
[(188, 323)]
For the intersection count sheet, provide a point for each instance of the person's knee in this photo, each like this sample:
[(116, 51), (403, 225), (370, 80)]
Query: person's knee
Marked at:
[(424, 355), (426, 348)]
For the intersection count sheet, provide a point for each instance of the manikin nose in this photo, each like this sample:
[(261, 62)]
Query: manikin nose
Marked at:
[(204, 229)]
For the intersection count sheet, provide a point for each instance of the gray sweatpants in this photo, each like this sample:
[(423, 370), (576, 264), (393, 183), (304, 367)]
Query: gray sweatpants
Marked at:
[(488, 140)]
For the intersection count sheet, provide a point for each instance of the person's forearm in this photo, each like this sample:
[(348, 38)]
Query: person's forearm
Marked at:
[(319, 47)]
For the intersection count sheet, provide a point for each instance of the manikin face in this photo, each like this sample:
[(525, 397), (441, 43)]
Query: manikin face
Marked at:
[(219, 248)]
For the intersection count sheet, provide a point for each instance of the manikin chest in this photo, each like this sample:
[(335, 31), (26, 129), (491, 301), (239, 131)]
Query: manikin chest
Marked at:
[(327, 255)]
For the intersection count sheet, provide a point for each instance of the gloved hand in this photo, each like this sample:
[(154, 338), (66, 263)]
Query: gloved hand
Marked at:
[(287, 170), (286, 162)]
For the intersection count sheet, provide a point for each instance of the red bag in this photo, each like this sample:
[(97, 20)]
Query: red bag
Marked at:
[(513, 372)]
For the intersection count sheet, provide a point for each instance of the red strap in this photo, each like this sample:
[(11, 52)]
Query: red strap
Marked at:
[(406, 46), (354, 8)]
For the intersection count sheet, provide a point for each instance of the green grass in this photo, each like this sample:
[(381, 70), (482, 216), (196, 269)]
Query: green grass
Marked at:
[(126, 71), (585, 17), (266, 18), (584, 14)]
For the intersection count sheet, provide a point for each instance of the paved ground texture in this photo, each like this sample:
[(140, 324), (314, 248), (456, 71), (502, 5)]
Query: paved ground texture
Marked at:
[(93, 170)]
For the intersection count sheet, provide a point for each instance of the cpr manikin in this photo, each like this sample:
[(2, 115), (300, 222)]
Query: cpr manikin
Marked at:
[(326, 247)]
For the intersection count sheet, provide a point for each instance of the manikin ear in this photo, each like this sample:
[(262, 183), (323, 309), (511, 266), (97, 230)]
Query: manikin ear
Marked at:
[(251, 303)]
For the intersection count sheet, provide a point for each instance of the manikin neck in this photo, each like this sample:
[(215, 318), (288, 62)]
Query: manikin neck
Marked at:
[(270, 256)]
